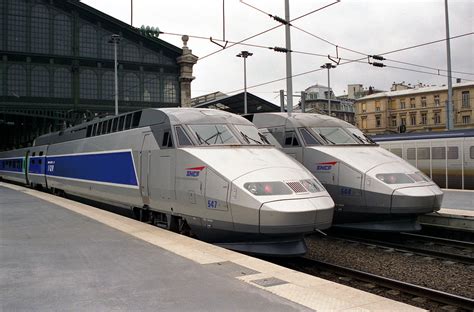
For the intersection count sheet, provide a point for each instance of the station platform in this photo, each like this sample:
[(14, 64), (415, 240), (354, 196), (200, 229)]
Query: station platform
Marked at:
[(58, 254), (457, 211)]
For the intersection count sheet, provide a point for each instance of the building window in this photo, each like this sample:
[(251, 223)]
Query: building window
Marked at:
[(62, 35), (394, 121), (465, 99), (424, 119), (413, 119), (17, 23), (131, 53), (363, 121), (377, 106), (392, 104), (151, 88), (466, 119), (131, 87), (108, 48), (402, 103), (378, 122), (88, 84), (437, 118), (16, 81), (170, 90), (62, 83), (436, 100), (108, 85), (364, 107), (40, 29), (403, 120), (423, 102), (40, 82), (88, 41)]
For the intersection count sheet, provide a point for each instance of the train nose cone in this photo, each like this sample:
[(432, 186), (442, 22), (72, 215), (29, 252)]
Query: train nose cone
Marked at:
[(422, 199), (296, 215)]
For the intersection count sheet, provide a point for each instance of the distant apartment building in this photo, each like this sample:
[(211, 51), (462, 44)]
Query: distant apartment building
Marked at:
[(418, 108), (317, 101)]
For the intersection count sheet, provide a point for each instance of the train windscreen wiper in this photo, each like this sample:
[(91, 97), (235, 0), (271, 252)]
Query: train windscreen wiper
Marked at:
[(325, 138), (248, 139)]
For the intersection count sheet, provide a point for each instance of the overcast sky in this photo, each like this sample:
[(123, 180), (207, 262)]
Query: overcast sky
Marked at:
[(367, 26)]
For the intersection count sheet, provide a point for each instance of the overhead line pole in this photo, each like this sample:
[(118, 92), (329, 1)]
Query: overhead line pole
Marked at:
[(449, 104), (289, 80)]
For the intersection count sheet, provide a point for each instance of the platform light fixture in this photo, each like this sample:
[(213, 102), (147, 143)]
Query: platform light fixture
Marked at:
[(244, 55)]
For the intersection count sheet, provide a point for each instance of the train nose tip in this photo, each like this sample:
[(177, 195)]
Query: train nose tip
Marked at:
[(296, 215), (423, 199)]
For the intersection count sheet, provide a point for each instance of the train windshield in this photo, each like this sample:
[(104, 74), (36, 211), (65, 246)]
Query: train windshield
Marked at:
[(359, 135), (334, 135), (251, 135), (213, 134)]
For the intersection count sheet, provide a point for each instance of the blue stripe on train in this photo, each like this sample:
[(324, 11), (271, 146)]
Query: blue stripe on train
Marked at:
[(12, 164), (115, 167)]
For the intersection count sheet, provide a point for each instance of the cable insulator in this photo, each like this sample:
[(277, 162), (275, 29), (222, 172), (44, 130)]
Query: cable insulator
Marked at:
[(378, 57), (278, 49), (279, 19), (376, 64)]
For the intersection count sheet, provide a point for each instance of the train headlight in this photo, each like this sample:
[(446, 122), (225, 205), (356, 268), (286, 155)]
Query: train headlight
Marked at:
[(267, 188), (312, 186), (394, 178)]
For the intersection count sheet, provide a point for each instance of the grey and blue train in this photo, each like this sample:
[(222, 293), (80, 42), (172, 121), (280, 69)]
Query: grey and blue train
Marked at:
[(200, 171), (372, 188)]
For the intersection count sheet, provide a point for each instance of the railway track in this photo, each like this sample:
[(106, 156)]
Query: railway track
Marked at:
[(451, 250), (438, 298)]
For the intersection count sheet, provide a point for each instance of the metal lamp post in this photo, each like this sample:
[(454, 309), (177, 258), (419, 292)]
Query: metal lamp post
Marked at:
[(115, 39), (329, 66), (244, 55)]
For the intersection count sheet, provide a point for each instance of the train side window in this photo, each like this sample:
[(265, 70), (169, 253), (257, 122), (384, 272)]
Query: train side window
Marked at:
[(114, 125), (411, 153), (471, 152), (94, 129), (128, 121), (89, 130), (423, 152), (41, 153), (33, 161), (397, 151), (438, 152), (136, 119), (121, 122), (453, 152), (99, 128), (183, 139), (104, 127), (109, 126), (167, 140), (40, 161), (291, 139)]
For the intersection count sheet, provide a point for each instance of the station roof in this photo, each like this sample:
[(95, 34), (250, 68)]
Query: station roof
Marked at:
[(235, 104)]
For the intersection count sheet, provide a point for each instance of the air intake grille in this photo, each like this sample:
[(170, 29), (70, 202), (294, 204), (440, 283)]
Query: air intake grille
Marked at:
[(297, 187)]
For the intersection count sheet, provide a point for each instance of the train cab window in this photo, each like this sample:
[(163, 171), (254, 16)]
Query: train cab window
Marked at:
[(291, 139), (251, 135), (213, 134), (89, 131), (115, 124), (167, 139), (308, 138), (121, 122), (128, 121), (136, 119), (183, 139)]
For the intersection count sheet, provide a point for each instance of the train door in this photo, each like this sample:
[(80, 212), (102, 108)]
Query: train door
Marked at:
[(145, 163)]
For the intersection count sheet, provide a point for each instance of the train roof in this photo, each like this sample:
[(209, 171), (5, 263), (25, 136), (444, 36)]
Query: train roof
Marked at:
[(144, 118), (462, 133), (267, 120)]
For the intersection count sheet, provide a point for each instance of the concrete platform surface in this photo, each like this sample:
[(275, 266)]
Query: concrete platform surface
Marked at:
[(57, 255), (458, 199)]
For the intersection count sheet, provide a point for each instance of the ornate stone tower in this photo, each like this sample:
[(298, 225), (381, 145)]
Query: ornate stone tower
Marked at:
[(186, 62)]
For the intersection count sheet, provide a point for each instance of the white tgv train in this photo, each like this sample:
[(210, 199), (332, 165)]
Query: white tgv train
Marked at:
[(373, 189), (199, 170)]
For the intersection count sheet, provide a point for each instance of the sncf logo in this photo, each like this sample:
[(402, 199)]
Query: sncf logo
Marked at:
[(194, 171), (326, 165)]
